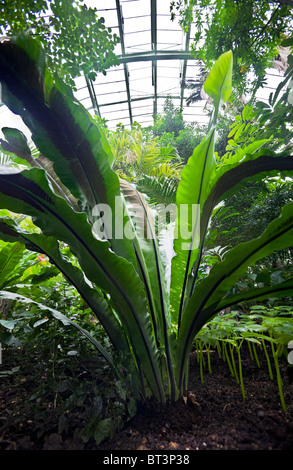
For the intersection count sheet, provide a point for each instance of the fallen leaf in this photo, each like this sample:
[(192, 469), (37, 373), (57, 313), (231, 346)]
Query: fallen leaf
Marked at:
[(173, 445)]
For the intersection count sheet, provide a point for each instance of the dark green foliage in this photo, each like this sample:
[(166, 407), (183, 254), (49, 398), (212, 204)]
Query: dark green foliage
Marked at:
[(172, 130), (252, 30), (264, 331), (149, 316), (74, 37), (245, 215), (171, 121)]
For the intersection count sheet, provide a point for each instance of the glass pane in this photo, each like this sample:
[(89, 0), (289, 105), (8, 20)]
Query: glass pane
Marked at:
[(111, 90)]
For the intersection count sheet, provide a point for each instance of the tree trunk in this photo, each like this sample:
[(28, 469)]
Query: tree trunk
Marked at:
[(4, 307)]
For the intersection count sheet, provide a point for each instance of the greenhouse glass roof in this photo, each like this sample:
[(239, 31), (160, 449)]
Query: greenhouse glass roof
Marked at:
[(154, 60), (154, 55)]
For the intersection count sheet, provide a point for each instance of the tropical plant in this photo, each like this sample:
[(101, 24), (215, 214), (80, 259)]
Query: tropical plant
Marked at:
[(115, 263), (245, 215), (171, 120), (253, 30), (140, 158), (263, 330), (19, 266), (68, 30), (137, 154), (173, 131)]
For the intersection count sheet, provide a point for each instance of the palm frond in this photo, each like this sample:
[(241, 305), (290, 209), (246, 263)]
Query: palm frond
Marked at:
[(4, 159), (159, 189)]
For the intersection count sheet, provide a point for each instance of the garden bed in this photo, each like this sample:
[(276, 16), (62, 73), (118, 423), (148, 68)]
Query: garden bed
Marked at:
[(213, 415)]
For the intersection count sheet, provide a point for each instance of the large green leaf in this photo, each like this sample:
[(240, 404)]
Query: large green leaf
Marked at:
[(49, 246), (211, 290), (152, 270), (249, 164), (17, 145), (28, 192), (231, 177), (61, 128), (10, 256), (218, 85), (194, 188), (65, 134), (283, 289), (145, 247), (63, 131), (190, 197)]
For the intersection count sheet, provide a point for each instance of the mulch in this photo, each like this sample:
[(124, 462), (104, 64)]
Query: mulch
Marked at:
[(212, 415)]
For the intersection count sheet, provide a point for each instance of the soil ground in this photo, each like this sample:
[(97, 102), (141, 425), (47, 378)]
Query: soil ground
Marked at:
[(212, 416)]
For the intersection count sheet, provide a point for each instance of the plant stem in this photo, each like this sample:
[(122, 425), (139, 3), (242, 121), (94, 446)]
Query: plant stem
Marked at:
[(240, 373), (268, 360), (249, 348), (209, 360), (201, 369), (201, 362), (233, 362), (197, 351), (226, 358), (279, 378), (219, 349), (255, 355)]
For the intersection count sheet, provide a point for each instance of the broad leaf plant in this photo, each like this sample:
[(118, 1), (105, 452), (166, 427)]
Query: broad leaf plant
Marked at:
[(100, 233)]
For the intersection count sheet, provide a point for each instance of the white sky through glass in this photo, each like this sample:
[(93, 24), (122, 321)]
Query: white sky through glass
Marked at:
[(111, 90)]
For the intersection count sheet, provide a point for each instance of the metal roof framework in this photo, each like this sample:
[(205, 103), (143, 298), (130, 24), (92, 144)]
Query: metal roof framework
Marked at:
[(154, 55), (154, 60)]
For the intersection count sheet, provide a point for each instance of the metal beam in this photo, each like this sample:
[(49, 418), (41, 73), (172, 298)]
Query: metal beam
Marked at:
[(187, 41), (126, 72), (153, 56), (154, 50), (159, 55), (142, 98), (93, 96)]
